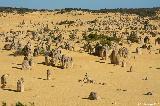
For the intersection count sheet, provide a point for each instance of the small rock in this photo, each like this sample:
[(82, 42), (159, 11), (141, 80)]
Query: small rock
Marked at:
[(79, 80), (148, 93), (93, 96), (103, 83)]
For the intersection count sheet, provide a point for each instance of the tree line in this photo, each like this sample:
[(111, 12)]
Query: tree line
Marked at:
[(139, 11)]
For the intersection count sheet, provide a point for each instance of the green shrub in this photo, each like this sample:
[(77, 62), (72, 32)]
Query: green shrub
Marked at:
[(72, 36), (20, 104), (66, 22), (4, 104), (103, 39), (133, 37)]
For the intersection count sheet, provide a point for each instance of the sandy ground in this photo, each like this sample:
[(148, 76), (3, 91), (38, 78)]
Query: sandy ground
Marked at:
[(64, 88)]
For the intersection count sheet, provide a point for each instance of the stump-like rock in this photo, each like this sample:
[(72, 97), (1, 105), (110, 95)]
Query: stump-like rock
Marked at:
[(114, 57), (48, 74), (25, 65), (7, 47), (46, 60), (20, 85), (4, 80), (123, 63), (138, 51)]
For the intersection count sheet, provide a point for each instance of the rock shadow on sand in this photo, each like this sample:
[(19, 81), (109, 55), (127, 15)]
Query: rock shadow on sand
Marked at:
[(99, 61), (8, 89), (43, 63), (17, 68), (42, 78)]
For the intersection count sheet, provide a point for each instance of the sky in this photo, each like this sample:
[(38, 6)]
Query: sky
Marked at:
[(85, 4)]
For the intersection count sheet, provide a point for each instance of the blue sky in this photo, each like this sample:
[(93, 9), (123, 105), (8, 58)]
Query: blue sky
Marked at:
[(87, 4)]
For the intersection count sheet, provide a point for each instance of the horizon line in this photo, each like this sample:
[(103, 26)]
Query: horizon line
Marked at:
[(77, 8)]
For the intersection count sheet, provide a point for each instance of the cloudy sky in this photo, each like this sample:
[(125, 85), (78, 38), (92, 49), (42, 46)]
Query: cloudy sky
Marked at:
[(87, 4)]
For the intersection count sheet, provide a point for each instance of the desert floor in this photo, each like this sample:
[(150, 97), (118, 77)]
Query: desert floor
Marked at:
[(122, 88)]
